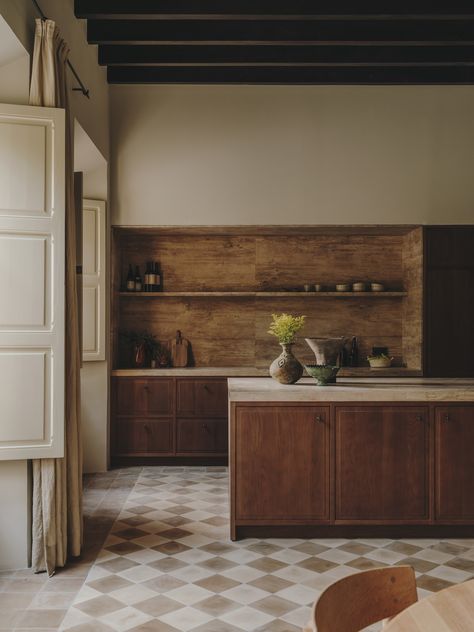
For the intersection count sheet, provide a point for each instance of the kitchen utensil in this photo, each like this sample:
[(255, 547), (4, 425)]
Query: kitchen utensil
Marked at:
[(343, 287), (326, 350), (322, 373), (179, 350)]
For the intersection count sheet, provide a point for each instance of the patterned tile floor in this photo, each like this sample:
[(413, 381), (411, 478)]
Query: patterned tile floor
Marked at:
[(167, 564)]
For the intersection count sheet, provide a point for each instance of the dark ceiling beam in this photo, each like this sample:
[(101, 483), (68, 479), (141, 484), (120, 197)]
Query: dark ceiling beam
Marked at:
[(105, 9), (268, 31), (150, 55), (285, 75)]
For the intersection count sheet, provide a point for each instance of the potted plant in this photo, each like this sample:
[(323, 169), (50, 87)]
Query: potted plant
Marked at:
[(142, 344), (379, 361), (286, 369)]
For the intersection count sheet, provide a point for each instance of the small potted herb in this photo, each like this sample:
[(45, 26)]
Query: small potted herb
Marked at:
[(286, 369)]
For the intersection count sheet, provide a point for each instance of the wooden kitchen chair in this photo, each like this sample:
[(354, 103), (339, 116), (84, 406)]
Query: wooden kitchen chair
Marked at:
[(357, 601)]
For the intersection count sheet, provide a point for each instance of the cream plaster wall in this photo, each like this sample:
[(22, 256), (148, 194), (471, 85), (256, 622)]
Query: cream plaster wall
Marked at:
[(292, 154)]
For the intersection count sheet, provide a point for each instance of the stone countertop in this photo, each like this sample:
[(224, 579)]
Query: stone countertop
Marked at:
[(350, 390), (237, 371)]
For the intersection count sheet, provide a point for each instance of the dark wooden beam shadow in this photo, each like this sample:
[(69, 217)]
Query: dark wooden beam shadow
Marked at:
[(289, 75)]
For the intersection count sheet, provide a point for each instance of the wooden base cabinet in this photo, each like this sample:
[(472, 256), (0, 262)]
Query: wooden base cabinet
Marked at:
[(282, 455), (382, 463), (169, 418), (454, 463), (351, 470)]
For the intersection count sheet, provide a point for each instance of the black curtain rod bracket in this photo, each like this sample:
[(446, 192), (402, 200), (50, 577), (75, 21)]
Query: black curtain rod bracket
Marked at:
[(82, 88)]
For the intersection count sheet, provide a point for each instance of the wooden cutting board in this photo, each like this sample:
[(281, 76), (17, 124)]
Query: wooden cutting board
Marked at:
[(179, 350)]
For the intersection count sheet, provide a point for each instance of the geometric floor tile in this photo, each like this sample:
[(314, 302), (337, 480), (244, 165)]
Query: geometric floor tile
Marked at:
[(165, 563)]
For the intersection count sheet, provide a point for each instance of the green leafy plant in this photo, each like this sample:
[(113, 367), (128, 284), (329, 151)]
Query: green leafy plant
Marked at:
[(379, 356), (285, 327)]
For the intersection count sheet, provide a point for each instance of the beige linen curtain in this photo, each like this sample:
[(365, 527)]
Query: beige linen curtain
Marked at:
[(57, 483)]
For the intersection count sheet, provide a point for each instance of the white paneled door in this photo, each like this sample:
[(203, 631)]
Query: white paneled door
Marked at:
[(93, 280), (32, 265)]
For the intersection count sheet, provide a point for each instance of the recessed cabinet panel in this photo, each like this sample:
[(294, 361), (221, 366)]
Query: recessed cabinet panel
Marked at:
[(202, 397), (454, 465), (144, 397), (282, 461), (202, 435), (144, 436), (24, 281), (25, 414), (382, 463), (23, 173)]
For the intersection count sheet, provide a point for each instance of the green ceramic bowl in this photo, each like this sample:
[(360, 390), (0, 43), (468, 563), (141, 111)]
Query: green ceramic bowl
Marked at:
[(322, 373)]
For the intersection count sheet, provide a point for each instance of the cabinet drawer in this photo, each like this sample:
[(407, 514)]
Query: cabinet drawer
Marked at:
[(144, 436), (144, 396), (202, 435), (202, 398)]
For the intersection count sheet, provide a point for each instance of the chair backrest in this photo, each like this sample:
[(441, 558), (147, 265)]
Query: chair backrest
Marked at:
[(359, 600)]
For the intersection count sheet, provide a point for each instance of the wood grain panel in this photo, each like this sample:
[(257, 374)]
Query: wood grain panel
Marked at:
[(221, 331), (412, 314), (296, 260), (201, 435), (382, 463), (195, 263), (454, 447), (282, 463), (231, 331)]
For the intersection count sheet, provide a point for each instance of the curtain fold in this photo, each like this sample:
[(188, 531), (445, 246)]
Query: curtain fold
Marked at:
[(57, 483)]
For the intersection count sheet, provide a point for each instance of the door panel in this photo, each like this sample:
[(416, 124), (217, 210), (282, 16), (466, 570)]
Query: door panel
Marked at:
[(144, 436), (144, 396), (382, 463), (202, 397), (202, 435), (282, 463), (94, 281), (32, 263), (454, 465)]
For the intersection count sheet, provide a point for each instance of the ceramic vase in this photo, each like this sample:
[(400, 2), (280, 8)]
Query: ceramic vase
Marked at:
[(286, 369)]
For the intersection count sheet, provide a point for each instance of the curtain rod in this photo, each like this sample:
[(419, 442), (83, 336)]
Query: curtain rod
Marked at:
[(82, 87)]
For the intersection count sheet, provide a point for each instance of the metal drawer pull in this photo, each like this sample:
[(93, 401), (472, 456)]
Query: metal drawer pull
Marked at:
[(206, 427), (320, 419), (447, 418), (419, 417)]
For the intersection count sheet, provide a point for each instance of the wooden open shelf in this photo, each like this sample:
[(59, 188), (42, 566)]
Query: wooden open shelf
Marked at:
[(266, 294)]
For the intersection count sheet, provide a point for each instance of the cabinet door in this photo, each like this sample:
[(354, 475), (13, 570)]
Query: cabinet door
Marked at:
[(202, 435), (282, 463), (147, 396), (454, 465), (145, 437), (382, 463), (202, 397)]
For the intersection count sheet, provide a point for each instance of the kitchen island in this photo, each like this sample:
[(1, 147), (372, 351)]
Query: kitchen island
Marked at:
[(373, 457)]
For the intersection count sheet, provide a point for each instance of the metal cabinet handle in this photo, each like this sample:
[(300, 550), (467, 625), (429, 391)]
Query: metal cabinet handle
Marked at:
[(320, 419), (146, 388), (205, 427), (419, 417), (206, 388), (447, 417)]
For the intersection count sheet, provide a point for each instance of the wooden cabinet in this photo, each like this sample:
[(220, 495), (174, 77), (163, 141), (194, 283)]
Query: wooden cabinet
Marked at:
[(144, 396), (449, 301), (202, 397), (144, 437), (454, 463), (169, 417), (202, 435), (282, 459), (382, 463)]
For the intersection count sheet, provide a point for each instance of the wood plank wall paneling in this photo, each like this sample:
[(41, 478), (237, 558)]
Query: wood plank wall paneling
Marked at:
[(232, 332), (412, 315), (286, 261)]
